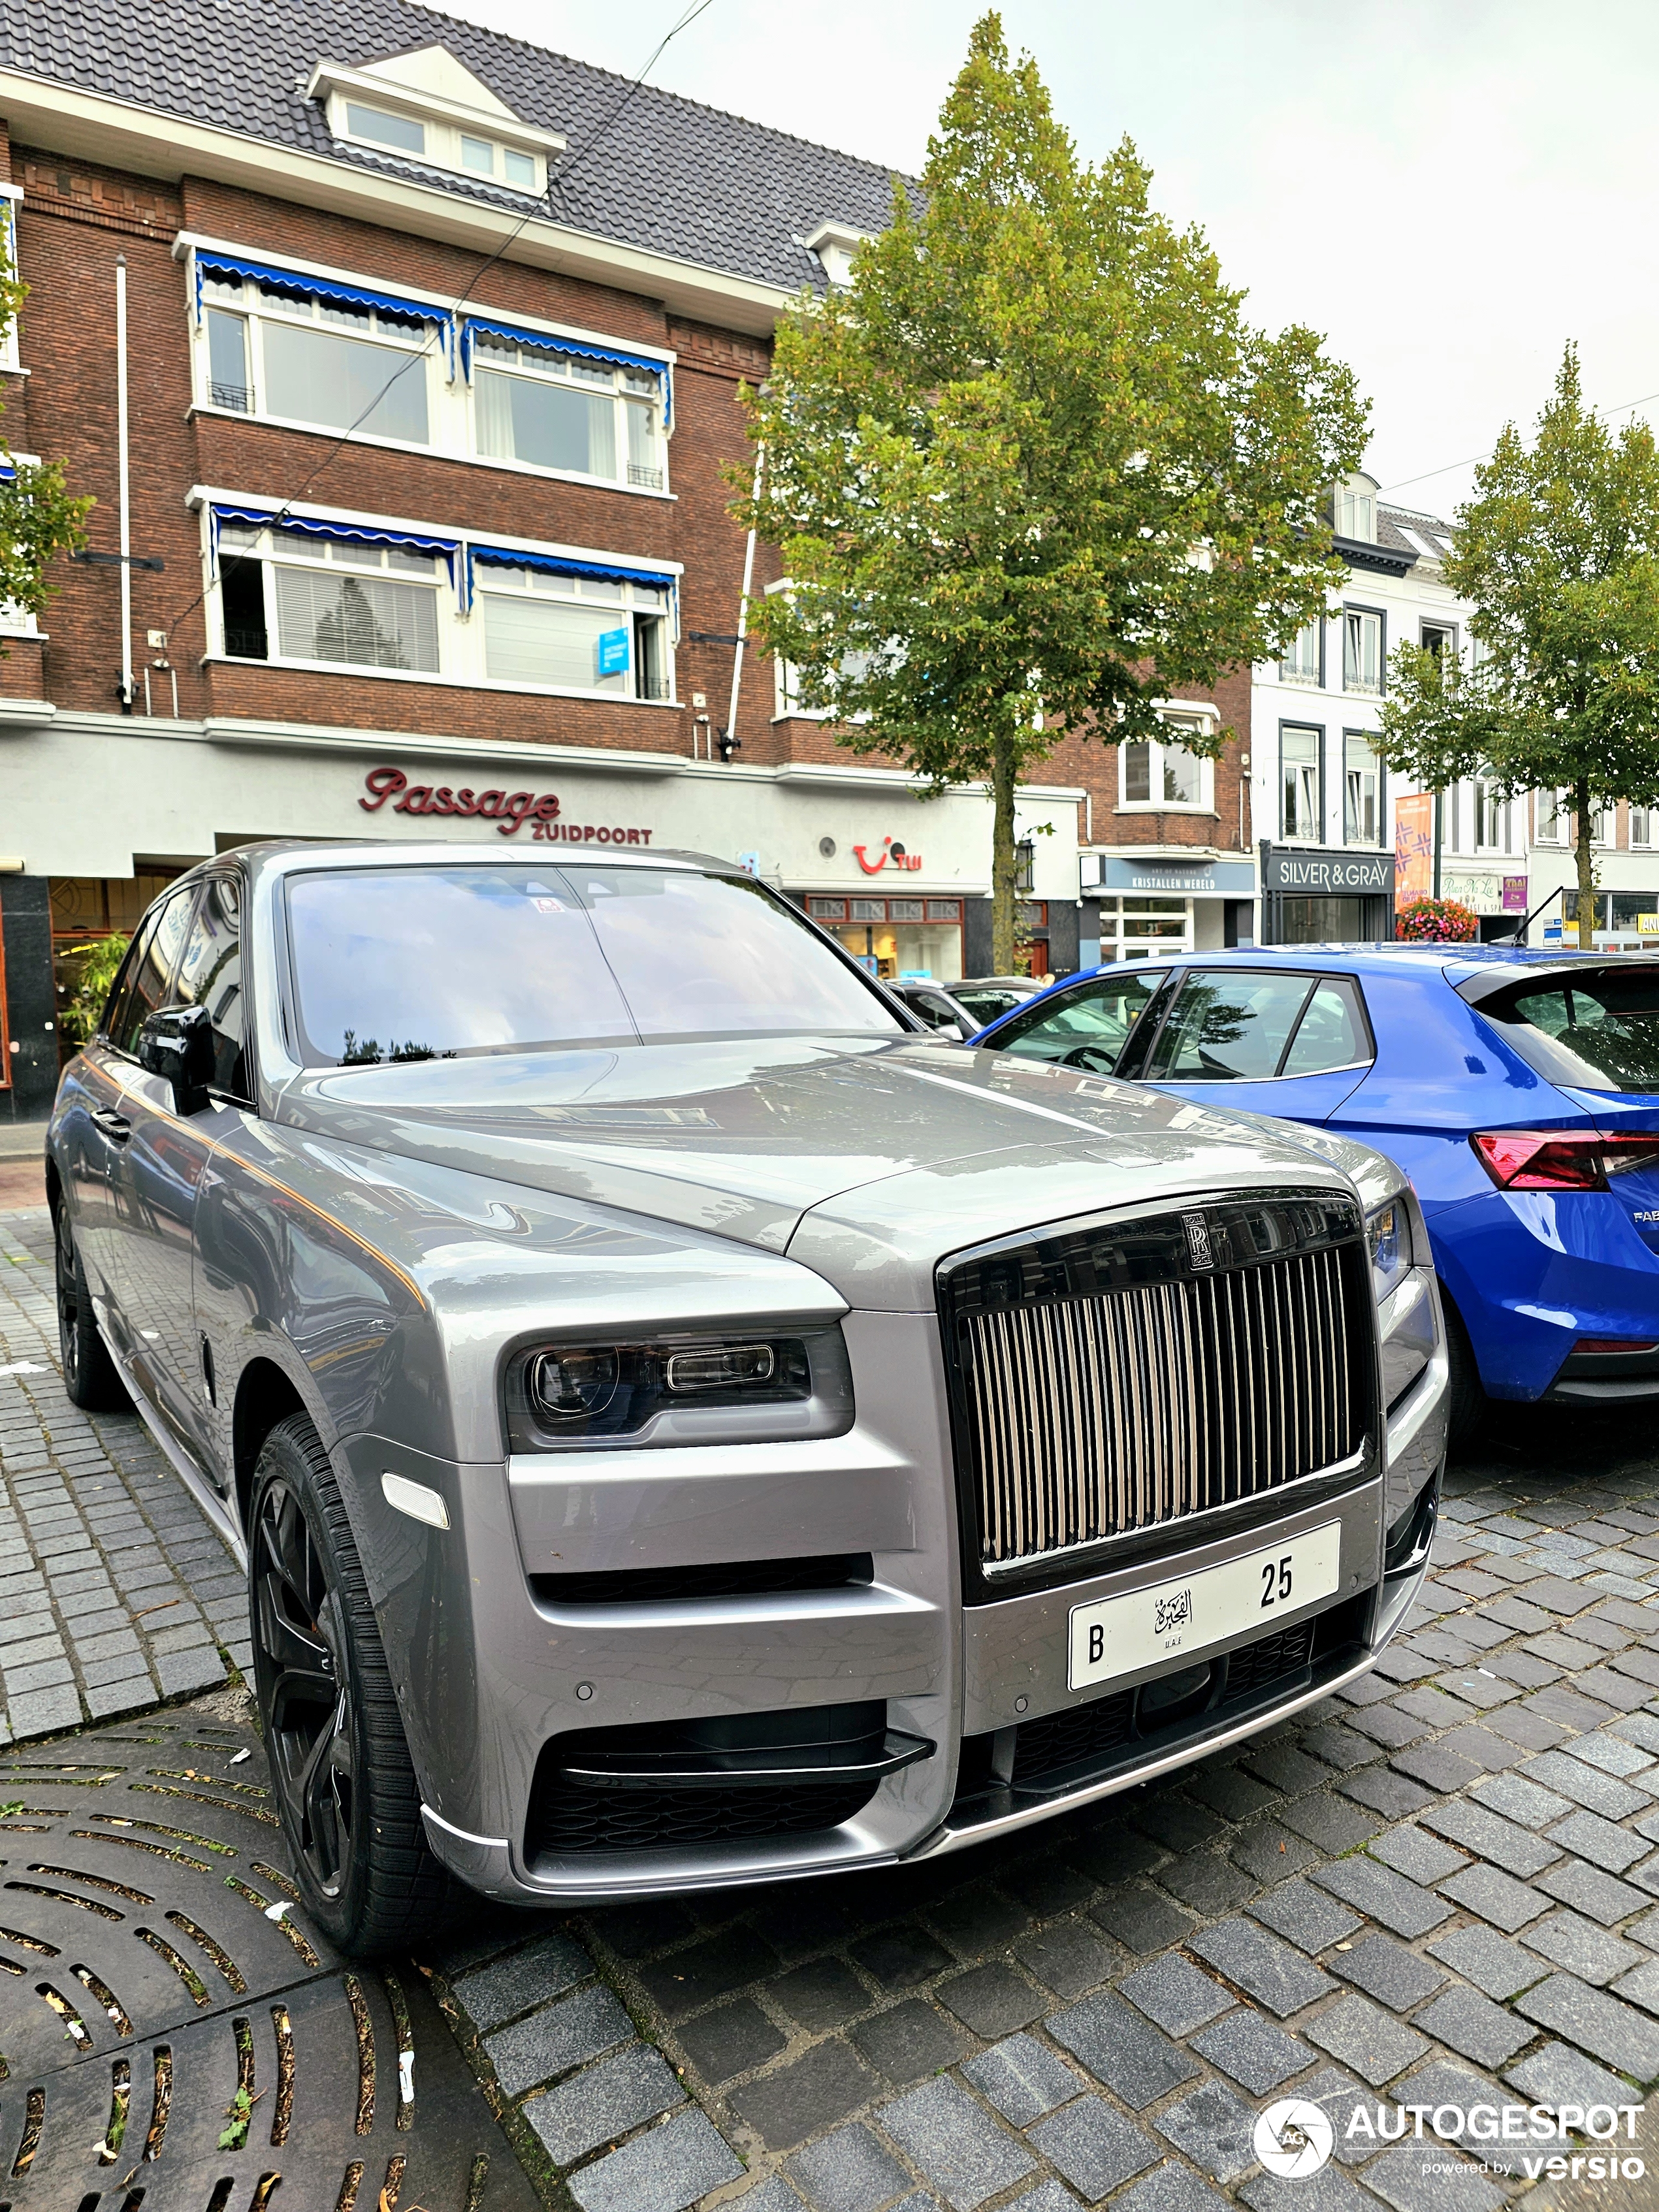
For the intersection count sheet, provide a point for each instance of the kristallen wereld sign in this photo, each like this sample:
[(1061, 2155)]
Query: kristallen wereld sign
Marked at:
[(508, 810)]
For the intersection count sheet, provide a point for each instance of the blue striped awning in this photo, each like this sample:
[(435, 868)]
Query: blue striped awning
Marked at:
[(582, 349), (359, 533), (211, 263), (564, 564)]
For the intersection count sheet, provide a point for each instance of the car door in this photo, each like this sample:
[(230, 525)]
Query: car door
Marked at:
[(1086, 1025), (90, 1123), (1292, 1042), (167, 1157)]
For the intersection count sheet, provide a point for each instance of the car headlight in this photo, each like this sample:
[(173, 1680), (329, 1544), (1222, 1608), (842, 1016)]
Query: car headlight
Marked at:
[(1388, 1241), (679, 1388)]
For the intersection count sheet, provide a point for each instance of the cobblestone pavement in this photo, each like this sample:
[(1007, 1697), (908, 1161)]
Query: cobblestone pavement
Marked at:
[(1439, 1888), (115, 1592)]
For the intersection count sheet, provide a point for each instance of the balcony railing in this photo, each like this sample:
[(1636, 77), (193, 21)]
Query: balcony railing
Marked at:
[(644, 478), (237, 396)]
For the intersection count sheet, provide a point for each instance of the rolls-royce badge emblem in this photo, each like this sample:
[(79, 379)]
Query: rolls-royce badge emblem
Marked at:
[(1198, 1240)]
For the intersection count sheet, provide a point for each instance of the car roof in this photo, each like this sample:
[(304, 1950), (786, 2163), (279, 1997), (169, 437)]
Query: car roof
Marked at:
[(1459, 962), (288, 855)]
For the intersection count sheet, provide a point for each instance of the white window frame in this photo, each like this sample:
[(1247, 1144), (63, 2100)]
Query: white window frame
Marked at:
[(1123, 914), (1312, 678), (462, 662), (444, 124), (1492, 811), (1354, 510), (1359, 687), (627, 389), (1380, 836), (339, 557), (1559, 835), (306, 312), (10, 198), (1316, 834), (15, 621), (1647, 815), (489, 580), (1199, 720)]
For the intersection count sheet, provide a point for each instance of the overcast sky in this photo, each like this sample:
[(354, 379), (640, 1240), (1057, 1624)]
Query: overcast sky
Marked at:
[(1448, 190)]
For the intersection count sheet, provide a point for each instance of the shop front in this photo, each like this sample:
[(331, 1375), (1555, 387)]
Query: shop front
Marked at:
[(102, 812), (1330, 896), (1137, 906)]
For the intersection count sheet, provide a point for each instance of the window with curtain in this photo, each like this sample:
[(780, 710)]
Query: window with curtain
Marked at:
[(1362, 650), (574, 633), (1299, 806), (329, 363), (1362, 789), (555, 411), (1301, 664), (1492, 817), (354, 605)]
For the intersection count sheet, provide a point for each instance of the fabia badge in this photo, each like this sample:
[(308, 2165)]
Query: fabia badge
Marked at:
[(1293, 2138), (1198, 1240)]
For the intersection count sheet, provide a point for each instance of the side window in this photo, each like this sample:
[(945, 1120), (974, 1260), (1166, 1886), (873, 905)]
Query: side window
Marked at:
[(210, 975), (1333, 1031), (934, 1011), (1085, 1027), (154, 969), (114, 1019), (1228, 1026)]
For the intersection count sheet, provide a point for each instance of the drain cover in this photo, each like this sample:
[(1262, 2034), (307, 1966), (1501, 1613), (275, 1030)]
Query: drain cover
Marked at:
[(176, 2036)]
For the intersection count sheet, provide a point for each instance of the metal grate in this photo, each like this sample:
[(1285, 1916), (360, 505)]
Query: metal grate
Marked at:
[(566, 1821), (1124, 1377)]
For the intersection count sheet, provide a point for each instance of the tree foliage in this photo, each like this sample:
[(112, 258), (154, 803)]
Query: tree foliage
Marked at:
[(1033, 471), (1559, 554), (39, 517)]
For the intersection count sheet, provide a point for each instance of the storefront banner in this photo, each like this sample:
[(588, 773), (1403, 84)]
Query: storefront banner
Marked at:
[(1515, 894), (1295, 868), (1484, 893), (1413, 847), (1119, 871)]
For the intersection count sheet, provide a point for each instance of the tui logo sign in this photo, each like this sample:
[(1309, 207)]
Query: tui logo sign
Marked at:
[(890, 852)]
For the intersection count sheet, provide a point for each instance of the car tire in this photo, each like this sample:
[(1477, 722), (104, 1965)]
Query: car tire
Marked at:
[(1468, 1406), (345, 1787), (91, 1378)]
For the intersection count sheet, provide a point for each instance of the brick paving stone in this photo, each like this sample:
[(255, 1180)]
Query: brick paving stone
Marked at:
[(1286, 1768), (910, 2039), (1517, 1851), (1214, 2128), (901, 1958), (824, 1993), (1023, 2078), (500, 1990), (1262, 1966), (1526, 1731), (1601, 1842), (603, 2102), (1068, 1958), (794, 2101), (1209, 1883), (1387, 1971), (1133, 2061), (1139, 1917), (686, 1980), (1518, 1798), (1172, 2188), (1493, 1964), (1419, 1856), (960, 2148), (1402, 2178), (1387, 1725), (1305, 1915), (1268, 1852), (1568, 1940), (1468, 2022), (1229, 1791), (1557, 1703), (1177, 1826), (847, 2172), (1495, 1896), (1361, 2035), (1175, 1995), (664, 2170), (550, 2042), (1434, 1767), (1640, 1986), (1095, 2148), (1612, 1754), (1331, 1822), (1380, 1789), (732, 2039), (1558, 2075), (992, 2000), (1559, 1597), (977, 1921), (1403, 1907), (1255, 2052), (1327, 2190), (1601, 2025)]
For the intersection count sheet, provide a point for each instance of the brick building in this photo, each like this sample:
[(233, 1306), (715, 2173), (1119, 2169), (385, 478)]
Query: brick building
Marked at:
[(402, 361)]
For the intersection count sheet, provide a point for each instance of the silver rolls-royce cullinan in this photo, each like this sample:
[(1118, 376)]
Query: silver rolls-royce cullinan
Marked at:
[(684, 1426)]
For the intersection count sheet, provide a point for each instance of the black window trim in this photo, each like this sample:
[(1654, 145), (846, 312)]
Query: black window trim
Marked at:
[(182, 886), (1320, 730), (1063, 994), (1359, 844), (1361, 607), (1316, 977)]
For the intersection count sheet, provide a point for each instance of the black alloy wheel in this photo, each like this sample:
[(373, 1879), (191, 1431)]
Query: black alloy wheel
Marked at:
[(90, 1375), (346, 1790)]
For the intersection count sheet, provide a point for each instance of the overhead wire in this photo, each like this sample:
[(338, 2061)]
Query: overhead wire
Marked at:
[(539, 207), (1404, 483)]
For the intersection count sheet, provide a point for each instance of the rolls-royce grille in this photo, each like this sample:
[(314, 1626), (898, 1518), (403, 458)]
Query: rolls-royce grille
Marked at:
[(1117, 1376)]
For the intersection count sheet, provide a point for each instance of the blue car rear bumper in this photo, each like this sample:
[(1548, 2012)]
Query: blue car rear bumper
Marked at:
[(1531, 1273)]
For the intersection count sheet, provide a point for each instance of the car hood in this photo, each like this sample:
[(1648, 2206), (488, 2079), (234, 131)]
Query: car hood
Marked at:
[(864, 1157)]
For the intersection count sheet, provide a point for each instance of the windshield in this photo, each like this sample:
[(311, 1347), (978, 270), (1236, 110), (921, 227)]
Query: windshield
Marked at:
[(1598, 1031), (419, 963)]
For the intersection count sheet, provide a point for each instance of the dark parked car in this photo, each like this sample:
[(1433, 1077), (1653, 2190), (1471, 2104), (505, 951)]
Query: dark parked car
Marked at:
[(1519, 1088), (685, 1426)]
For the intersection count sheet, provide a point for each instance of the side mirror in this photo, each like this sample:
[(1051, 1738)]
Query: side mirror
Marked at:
[(177, 1044)]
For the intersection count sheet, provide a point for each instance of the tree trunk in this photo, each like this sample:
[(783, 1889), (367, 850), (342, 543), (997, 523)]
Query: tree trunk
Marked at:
[(1004, 765), (1581, 800)]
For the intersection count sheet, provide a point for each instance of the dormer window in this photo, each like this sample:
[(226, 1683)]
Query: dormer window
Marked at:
[(1355, 509), (430, 108), (836, 247)]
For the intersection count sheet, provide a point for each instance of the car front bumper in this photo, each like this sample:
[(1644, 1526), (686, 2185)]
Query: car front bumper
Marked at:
[(491, 1670)]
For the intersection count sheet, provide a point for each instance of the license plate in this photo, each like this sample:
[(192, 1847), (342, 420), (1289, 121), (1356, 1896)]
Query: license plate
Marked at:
[(1193, 1613)]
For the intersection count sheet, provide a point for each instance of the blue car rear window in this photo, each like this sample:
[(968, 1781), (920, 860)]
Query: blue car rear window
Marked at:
[(1598, 1031)]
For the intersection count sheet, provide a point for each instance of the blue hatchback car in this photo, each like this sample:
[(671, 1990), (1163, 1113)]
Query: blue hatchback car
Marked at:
[(1518, 1089)]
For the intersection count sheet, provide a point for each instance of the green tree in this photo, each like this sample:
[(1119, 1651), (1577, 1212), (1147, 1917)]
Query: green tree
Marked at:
[(1033, 472), (1559, 554), (38, 517)]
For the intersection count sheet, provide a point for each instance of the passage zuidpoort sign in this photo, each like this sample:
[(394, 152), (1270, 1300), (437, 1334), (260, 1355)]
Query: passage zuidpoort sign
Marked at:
[(508, 810), (1116, 1635)]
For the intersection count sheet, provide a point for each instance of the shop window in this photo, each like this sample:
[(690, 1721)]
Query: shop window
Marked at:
[(571, 633), (560, 410), (1137, 928), (331, 364), (901, 939), (827, 909)]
